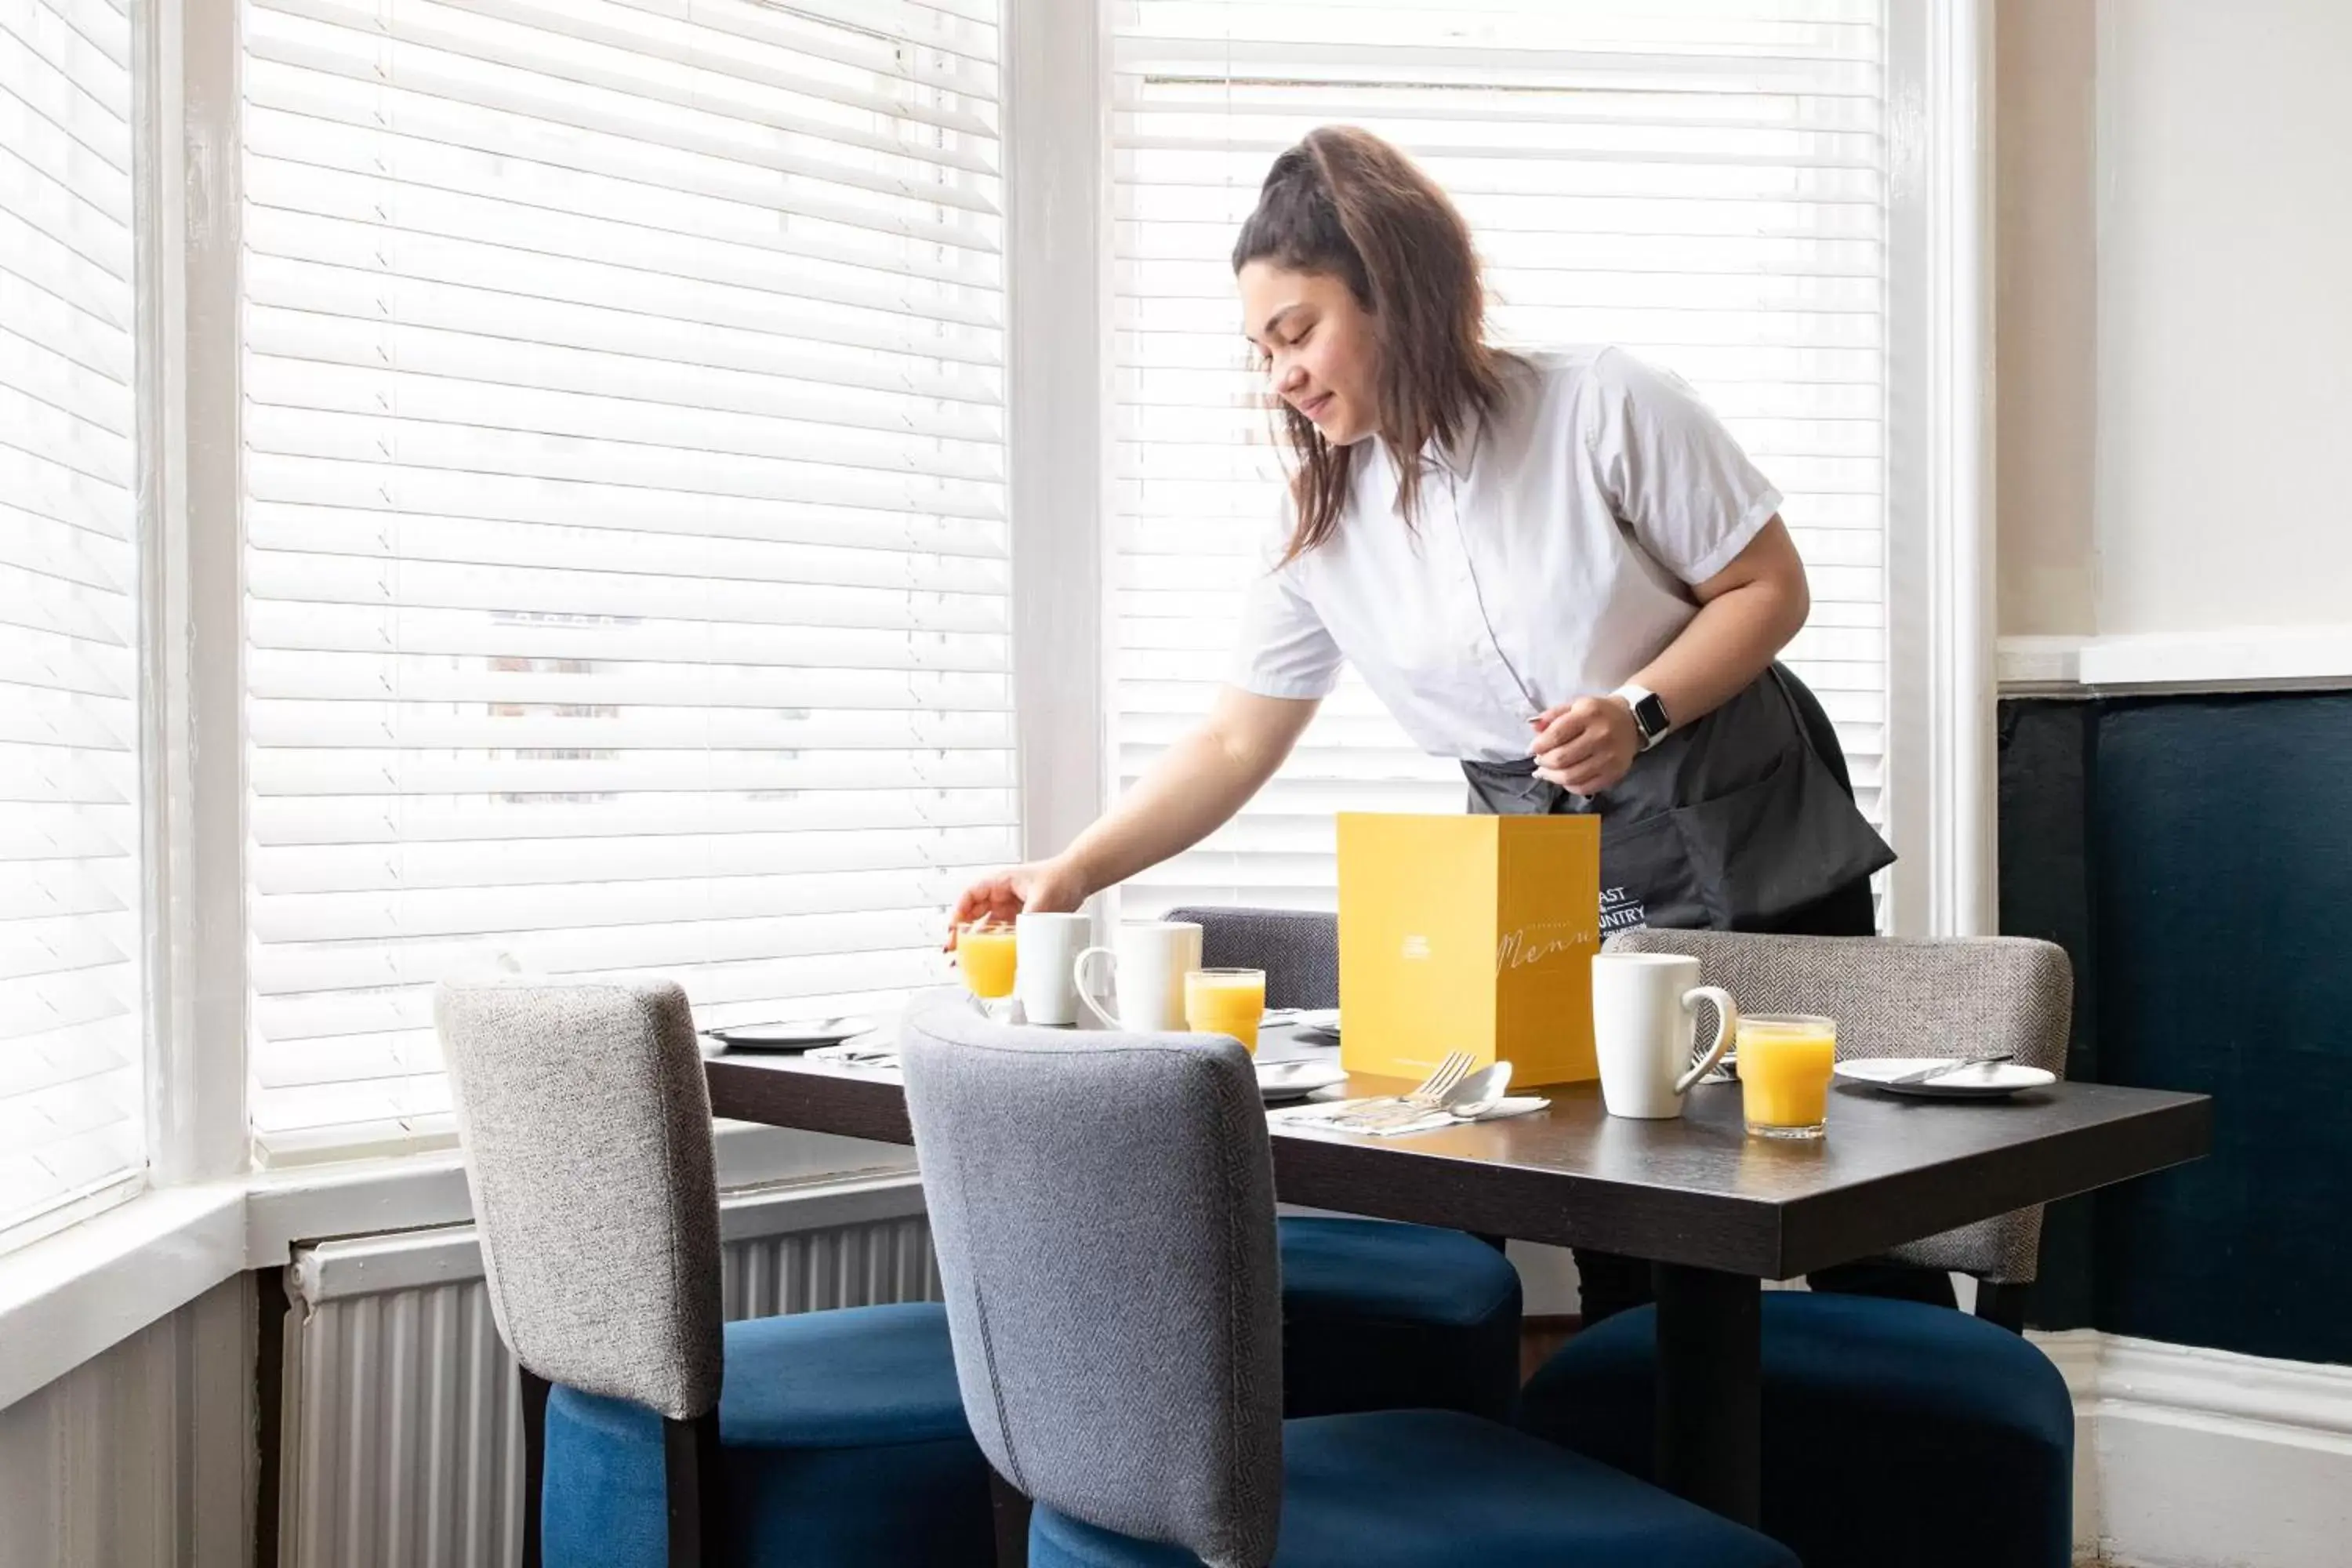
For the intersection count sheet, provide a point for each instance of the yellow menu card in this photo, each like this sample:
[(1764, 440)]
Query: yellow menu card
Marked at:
[(1472, 933)]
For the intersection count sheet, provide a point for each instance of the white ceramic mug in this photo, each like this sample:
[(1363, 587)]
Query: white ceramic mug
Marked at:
[(1644, 1019), (1049, 945), (1149, 960)]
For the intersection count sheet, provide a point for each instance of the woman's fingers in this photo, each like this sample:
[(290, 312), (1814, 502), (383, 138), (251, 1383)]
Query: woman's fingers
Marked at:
[(1570, 732), (1575, 753), (993, 899), (1583, 736), (1555, 727)]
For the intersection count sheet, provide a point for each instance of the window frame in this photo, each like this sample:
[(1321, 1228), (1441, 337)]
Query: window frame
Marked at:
[(1939, 758), (197, 1033)]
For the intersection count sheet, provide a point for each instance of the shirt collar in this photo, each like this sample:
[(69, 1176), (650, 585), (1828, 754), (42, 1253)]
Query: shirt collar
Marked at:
[(1455, 458)]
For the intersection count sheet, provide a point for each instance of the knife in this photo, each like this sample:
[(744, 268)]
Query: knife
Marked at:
[(1922, 1074)]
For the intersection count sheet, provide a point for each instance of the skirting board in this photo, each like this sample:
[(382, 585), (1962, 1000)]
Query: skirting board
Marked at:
[(2198, 1458)]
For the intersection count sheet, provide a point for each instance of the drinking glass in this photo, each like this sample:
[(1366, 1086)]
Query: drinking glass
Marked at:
[(1225, 1002), (987, 954), (1785, 1062)]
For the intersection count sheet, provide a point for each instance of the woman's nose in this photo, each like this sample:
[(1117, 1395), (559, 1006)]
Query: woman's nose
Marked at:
[(1284, 376)]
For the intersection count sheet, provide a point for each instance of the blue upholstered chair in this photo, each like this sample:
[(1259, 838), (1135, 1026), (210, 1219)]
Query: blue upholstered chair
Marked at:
[(822, 1438), (1870, 1405), (1376, 1315), (1103, 1209)]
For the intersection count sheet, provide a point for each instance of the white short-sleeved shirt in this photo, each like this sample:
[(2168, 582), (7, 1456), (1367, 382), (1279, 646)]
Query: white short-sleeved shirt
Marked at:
[(1549, 560)]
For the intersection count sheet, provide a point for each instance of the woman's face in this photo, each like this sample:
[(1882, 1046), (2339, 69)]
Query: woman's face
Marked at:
[(1315, 343)]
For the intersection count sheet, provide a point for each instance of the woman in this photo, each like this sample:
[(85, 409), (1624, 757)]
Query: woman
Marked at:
[(1557, 568)]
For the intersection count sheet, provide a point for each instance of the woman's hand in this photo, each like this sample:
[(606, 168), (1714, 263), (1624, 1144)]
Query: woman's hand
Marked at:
[(1042, 887), (1587, 745)]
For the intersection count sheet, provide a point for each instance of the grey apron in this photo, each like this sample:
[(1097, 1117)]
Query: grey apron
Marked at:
[(1732, 823)]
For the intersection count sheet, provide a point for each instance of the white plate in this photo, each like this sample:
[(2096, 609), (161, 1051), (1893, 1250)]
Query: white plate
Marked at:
[(1316, 1025), (798, 1034), (1296, 1080), (1986, 1080)]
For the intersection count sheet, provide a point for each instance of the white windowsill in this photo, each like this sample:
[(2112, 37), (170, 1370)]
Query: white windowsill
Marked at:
[(2251, 658), (70, 1296)]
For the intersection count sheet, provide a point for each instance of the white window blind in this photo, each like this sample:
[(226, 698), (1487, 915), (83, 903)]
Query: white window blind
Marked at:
[(627, 550), (71, 1004), (1700, 181)]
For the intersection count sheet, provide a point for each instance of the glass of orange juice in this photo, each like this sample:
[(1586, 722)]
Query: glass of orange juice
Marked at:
[(985, 953), (1225, 1002), (1784, 1073)]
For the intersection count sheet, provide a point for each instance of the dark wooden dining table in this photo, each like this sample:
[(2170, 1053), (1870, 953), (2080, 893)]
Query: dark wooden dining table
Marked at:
[(1716, 1211)]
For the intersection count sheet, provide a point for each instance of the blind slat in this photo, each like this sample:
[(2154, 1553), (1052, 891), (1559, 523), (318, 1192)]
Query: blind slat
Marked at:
[(290, 148), (382, 819), (732, 950), (305, 218), (407, 280), (381, 452), (1428, 59), (315, 291), (325, 354), (927, 560)]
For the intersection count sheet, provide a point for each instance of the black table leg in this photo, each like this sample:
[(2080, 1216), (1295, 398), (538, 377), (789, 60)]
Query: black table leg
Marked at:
[(1710, 1431)]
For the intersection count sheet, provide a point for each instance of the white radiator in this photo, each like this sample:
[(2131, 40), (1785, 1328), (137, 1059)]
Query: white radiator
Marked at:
[(402, 1447)]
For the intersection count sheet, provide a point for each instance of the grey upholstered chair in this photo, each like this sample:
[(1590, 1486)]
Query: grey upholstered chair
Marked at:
[(1298, 950), (1895, 997), (1103, 1209), (1884, 1398), (1378, 1315), (668, 1437)]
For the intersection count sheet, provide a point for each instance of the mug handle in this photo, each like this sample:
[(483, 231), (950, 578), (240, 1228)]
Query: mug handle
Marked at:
[(1078, 983), (1726, 1028)]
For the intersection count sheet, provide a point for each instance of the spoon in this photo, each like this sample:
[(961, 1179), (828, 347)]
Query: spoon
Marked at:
[(1479, 1093)]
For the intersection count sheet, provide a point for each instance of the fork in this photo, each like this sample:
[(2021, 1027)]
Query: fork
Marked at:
[(1429, 1095)]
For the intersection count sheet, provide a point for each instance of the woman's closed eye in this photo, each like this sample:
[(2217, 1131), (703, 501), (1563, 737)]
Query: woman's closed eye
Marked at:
[(1262, 357)]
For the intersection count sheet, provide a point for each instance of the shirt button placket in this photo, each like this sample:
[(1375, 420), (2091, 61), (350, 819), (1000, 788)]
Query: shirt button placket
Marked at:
[(1507, 698)]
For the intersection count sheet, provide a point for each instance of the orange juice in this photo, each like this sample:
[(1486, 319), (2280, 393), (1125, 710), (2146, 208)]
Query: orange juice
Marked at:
[(1225, 1002), (1784, 1074), (987, 955)]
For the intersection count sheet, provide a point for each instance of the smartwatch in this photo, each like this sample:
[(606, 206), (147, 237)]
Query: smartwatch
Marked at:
[(1649, 713)]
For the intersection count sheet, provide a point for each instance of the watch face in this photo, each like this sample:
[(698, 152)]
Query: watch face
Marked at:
[(1650, 715)]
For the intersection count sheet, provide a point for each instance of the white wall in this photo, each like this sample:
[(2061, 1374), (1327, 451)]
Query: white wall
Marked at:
[(2046, 300), (2225, 314), (2175, 326), (144, 1458)]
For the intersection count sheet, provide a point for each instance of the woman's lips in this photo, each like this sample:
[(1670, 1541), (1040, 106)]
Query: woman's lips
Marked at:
[(1317, 407)]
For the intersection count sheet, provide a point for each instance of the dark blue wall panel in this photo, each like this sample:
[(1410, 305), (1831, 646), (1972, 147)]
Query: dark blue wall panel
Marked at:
[(2195, 855)]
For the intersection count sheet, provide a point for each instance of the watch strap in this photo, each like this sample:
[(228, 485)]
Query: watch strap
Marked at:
[(1650, 718)]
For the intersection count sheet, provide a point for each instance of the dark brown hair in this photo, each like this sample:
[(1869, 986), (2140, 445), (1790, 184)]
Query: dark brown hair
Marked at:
[(1345, 203)]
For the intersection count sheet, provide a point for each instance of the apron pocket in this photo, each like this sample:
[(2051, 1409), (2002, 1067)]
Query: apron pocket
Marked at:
[(1771, 847), (1648, 877)]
